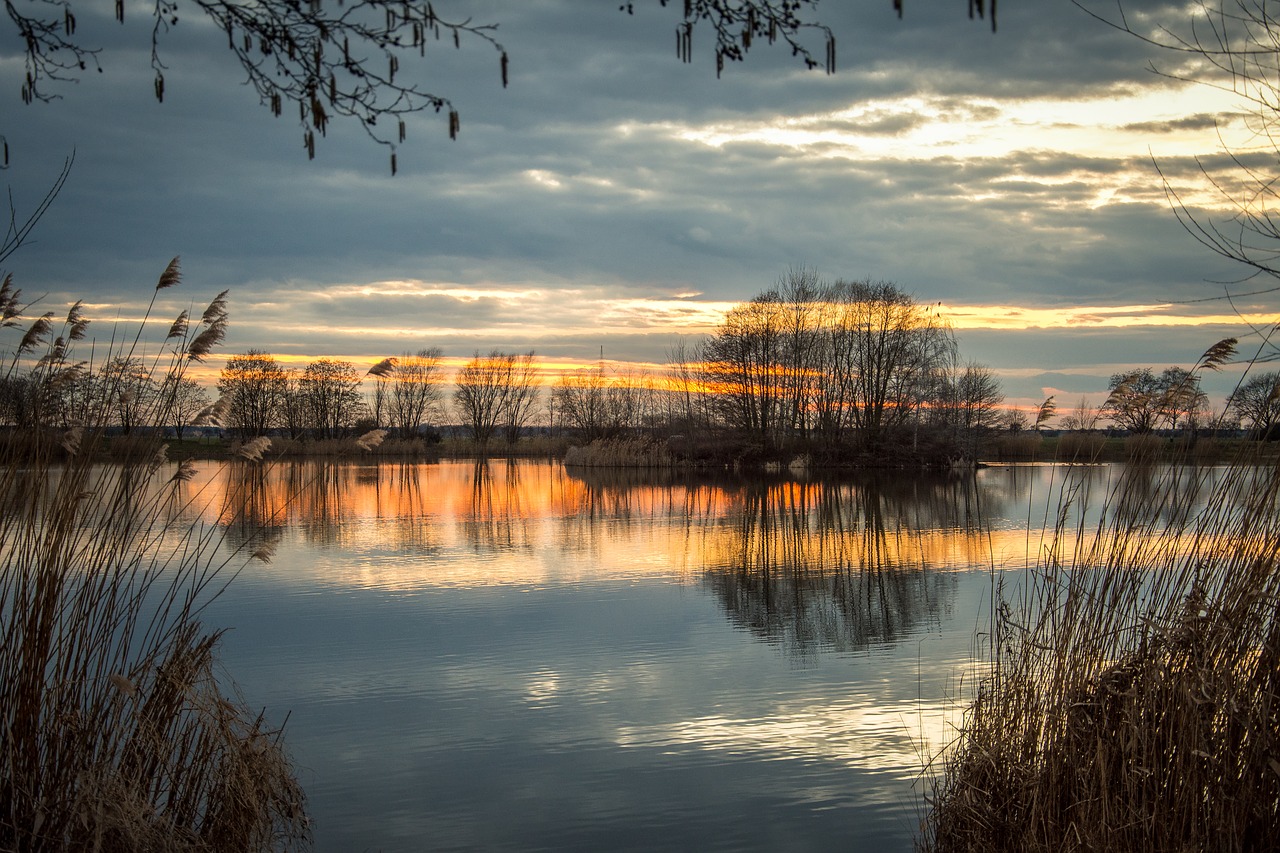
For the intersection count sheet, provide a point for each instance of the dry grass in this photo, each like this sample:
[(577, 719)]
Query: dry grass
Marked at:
[(1145, 448), (118, 736), (1081, 446), (621, 453), (1023, 446), (531, 447), (1133, 695), (374, 443)]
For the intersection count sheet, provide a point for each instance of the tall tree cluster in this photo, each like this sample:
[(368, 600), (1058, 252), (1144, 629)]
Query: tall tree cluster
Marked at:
[(838, 363), (259, 395), (497, 393)]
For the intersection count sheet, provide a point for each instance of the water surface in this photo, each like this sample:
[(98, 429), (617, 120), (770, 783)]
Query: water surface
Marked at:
[(512, 656)]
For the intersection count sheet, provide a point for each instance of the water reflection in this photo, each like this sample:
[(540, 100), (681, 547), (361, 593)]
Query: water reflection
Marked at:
[(836, 566), (824, 564), (507, 656)]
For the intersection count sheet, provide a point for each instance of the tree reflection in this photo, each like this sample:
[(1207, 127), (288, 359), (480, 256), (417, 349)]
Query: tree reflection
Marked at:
[(842, 566), (807, 564), (498, 517), (325, 501)]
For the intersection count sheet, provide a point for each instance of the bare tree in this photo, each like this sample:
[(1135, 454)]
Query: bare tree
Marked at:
[(978, 398), (483, 387), (743, 361), (129, 391), (894, 347), (1082, 417), (252, 386), (416, 390), (579, 397), (330, 390), (1135, 401), (683, 361), (524, 388), (291, 412), (184, 400), (1257, 402)]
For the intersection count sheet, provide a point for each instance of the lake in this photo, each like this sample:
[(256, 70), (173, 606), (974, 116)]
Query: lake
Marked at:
[(516, 656)]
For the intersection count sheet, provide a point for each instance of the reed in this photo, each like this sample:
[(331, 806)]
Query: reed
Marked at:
[(1081, 446), (529, 447), (621, 453), (1020, 446), (118, 733), (1132, 696), (1145, 448)]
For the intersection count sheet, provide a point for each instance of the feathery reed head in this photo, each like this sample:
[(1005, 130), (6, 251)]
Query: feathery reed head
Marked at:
[(383, 368), (1218, 354), (264, 552), (186, 470), (179, 327), (76, 322), (10, 302), (254, 448), (171, 276), (371, 439), (214, 321), (35, 333), (71, 441)]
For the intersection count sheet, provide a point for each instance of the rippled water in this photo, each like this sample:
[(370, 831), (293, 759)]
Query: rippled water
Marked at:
[(515, 657)]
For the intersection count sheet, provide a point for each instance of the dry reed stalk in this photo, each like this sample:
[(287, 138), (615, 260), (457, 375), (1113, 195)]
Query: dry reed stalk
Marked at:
[(1018, 446), (117, 735), (1133, 700), (1080, 446), (620, 453)]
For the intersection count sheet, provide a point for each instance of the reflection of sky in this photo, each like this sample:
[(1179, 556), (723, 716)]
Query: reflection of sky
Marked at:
[(602, 715), (538, 663), (517, 657)]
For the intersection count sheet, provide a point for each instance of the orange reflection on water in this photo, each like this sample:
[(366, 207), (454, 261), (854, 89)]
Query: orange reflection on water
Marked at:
[(412, 526)]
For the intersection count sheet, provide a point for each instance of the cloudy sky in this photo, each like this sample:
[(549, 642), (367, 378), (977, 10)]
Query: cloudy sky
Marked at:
[(614, 198)]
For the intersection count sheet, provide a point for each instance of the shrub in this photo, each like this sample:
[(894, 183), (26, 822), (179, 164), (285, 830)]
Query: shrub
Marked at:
[(1018, 445)]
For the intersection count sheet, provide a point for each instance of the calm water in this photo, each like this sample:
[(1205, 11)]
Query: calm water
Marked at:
[(515, 657)]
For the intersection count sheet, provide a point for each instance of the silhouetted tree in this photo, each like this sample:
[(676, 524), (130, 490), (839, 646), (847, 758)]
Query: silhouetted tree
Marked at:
[(1257, 402), (252, 386), (330, 391), (1082, 417), (497, 390), (416, 390), (129, 391), (185, 399)]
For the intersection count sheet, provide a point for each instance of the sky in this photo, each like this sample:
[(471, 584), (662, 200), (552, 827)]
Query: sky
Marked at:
[(612, 200)]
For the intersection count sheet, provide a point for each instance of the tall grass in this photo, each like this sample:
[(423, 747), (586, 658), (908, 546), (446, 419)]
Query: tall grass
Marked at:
[(118, 734), (1132, 700), (1080, 446), (620, 453)]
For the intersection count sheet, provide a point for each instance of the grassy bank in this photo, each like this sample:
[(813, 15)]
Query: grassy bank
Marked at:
[(1100, 447)]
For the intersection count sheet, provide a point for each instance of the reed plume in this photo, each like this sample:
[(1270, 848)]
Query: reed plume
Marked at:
[(118, 733)]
